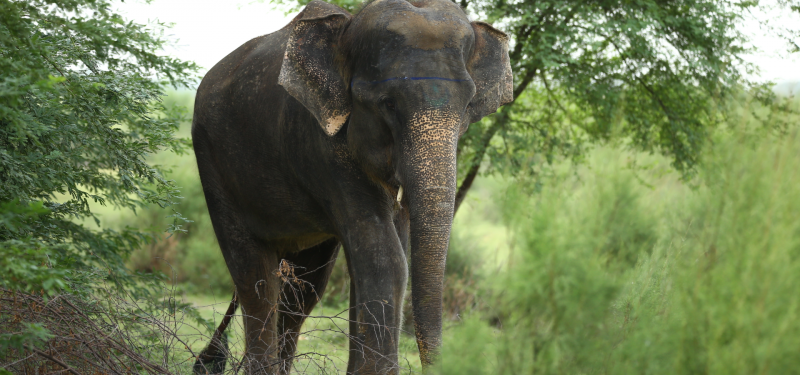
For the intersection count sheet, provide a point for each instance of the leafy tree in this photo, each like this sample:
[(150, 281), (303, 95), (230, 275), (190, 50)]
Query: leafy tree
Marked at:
[(655, 75), (80, 110)]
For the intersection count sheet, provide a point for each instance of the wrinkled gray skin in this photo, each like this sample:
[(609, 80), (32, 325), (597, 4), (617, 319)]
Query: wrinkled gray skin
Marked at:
[(303, 139)]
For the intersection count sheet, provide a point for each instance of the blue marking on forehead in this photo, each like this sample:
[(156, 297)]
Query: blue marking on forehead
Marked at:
[(407, 79)]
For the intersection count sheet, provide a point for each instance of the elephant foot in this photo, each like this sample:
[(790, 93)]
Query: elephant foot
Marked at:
[(213, 358)]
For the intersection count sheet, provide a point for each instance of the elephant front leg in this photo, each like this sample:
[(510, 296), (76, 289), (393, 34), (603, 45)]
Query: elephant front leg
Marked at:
[(379, 272)]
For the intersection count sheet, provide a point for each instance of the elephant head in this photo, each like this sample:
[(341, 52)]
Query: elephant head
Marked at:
[(404, 80)]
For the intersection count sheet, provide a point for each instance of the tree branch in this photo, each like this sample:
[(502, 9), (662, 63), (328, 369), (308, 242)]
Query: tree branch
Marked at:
[(476, 163), (524, 33), (483, 145), (47, 356), (529, 75)]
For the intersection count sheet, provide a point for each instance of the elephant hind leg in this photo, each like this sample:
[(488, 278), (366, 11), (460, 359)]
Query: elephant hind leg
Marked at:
[(253, 266), (258, 288), (311, 268)]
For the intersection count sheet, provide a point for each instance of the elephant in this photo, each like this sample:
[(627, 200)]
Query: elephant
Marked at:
[(340, 131)]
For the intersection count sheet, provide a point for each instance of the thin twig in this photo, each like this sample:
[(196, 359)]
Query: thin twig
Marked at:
[(45, 355)]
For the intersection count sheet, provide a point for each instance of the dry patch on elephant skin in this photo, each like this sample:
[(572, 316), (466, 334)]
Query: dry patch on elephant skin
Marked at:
[(335, 123), (432, 151), (434, 125), (428, 348)]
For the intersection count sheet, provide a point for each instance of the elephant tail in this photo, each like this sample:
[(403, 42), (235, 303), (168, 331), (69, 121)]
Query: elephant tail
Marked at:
[(212, 359)]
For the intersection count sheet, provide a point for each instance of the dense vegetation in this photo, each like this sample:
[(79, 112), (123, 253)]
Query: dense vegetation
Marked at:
[(609, 276), (80, 111)]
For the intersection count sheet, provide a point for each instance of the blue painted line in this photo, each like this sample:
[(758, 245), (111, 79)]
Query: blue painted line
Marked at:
[(409, 79)]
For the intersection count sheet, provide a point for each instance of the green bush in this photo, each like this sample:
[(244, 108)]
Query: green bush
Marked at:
[(81, 112), (612, 277), (735, 303), (193, 256)]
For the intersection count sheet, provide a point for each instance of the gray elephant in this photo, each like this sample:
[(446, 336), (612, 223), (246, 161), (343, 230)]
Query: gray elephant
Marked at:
[(336, 130)]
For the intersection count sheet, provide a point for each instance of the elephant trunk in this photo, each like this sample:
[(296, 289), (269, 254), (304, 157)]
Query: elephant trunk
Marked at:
[(431, 186)]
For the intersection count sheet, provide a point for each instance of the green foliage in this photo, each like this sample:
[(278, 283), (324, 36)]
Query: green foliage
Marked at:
[(651, 74), (707, 283), (32, 334), (80, 111), (559, 290), (351, 6), (619, 231), (192, 256)]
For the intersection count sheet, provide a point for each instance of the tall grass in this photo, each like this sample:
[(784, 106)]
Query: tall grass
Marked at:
[(610, 276)]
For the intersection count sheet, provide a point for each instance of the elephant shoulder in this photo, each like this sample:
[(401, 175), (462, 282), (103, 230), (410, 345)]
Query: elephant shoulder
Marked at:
[(258, 54)]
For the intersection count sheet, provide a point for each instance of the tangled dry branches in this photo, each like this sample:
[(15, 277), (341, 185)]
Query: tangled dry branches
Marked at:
[(85, 337), (113, 334)]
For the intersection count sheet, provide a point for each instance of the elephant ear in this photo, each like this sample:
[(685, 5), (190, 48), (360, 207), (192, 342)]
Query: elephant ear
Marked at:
[(309, 71), (490, 69)]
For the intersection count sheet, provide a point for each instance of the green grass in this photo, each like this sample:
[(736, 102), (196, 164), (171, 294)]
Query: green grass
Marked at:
[(322, 347)]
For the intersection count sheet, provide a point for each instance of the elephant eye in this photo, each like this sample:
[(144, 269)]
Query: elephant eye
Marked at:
[(389, 104)]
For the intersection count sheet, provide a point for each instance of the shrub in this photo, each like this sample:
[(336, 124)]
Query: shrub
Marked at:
[(80, 112), (609, 278)]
